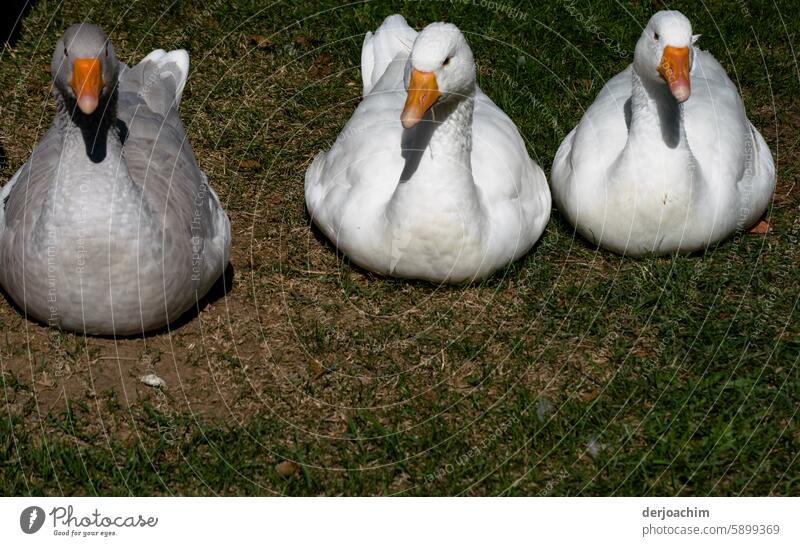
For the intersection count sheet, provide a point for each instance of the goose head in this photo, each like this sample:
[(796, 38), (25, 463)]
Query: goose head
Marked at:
[(84, 67), (664, 53), (440, 69)]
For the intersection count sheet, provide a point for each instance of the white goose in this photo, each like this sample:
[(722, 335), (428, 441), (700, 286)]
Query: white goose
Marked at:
[(111, 227), (432, 183), (665, 159)]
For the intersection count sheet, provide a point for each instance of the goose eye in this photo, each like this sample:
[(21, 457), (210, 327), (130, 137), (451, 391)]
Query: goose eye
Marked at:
[(446, 61), (655, 36), (65, 52)]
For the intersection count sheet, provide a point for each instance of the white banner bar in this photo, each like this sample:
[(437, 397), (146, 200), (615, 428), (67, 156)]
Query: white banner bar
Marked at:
[(400, 521)]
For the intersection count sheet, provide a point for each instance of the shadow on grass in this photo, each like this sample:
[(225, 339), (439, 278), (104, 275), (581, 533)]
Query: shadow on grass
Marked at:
[(11, 22)]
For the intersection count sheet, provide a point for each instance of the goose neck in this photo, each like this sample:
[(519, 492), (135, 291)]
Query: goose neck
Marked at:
[(99, 133), (452, 135), (438, 150), (657, 119)]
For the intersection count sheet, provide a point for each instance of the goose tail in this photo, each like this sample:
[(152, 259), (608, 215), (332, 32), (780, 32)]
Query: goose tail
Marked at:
[(392, 38), (159, 79)]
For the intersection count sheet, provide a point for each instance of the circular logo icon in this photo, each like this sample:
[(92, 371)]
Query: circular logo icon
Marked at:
[(31, 519)]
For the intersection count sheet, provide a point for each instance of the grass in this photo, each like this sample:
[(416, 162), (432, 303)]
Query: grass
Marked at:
[(572, 372)]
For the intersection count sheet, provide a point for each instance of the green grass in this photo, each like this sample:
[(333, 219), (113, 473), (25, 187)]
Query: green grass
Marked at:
[(572, 372)]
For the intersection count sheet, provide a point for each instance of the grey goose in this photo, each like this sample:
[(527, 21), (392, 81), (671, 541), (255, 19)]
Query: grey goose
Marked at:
[(110, 227)]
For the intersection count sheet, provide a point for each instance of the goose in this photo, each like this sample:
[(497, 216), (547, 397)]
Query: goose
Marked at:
[(429, 179), (665, 159), (110, 227)]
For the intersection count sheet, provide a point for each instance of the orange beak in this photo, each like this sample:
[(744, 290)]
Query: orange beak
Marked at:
[(87, 83), (674, 68), (422, 93)]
